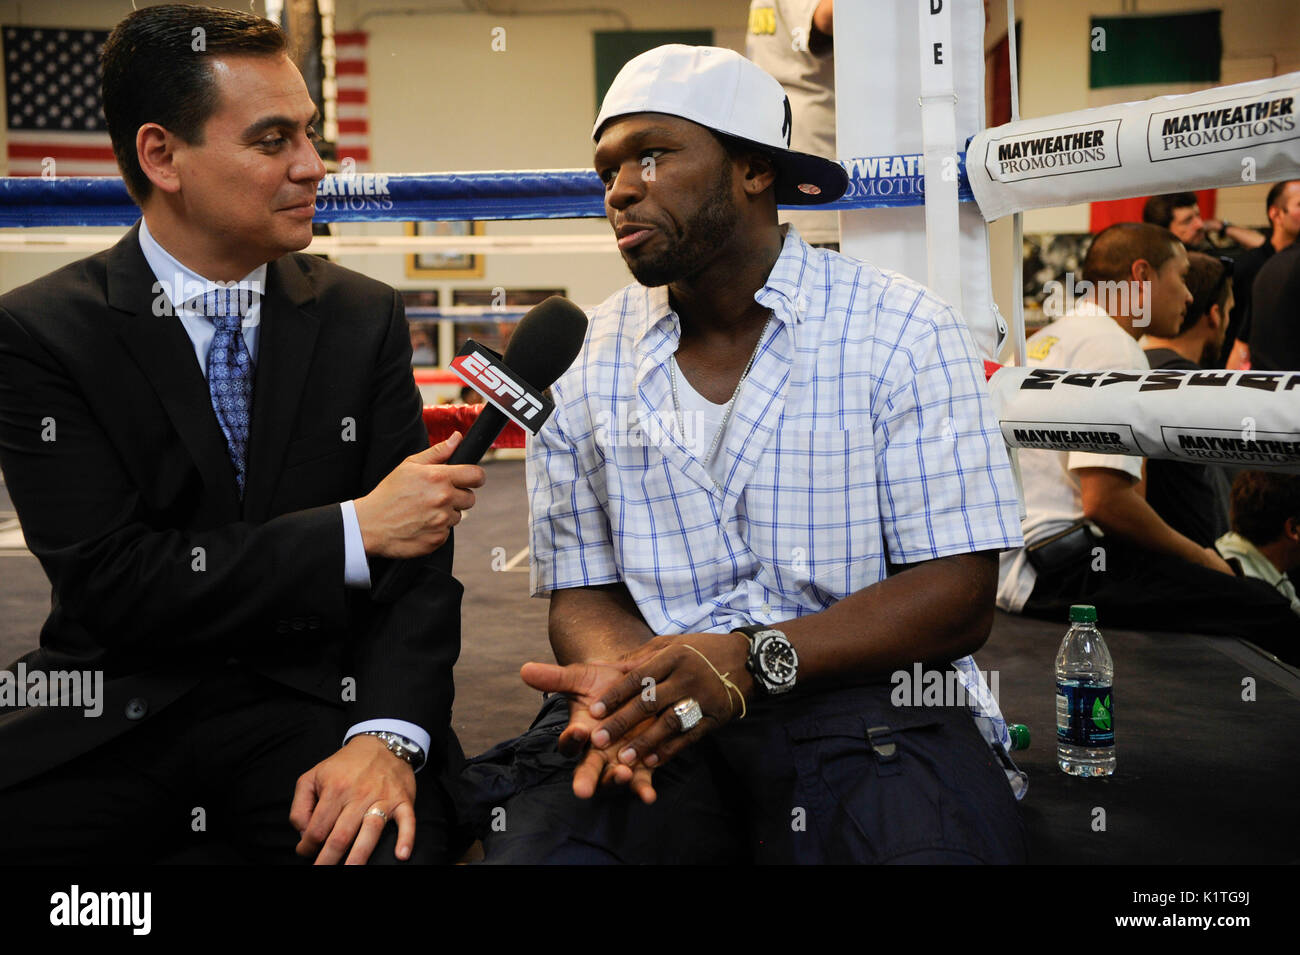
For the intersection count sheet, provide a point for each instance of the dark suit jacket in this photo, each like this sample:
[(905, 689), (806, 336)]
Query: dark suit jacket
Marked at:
[(137, 478)]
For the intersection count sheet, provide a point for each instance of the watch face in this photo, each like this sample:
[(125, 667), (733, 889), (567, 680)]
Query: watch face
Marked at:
[(778, 660)]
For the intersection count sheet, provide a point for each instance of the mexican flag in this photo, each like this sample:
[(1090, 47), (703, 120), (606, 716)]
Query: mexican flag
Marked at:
[(1140, 56)]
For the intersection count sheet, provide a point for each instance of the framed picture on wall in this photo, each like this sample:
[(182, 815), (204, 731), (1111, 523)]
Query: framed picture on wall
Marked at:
[(1050, 259), (421, 315), (444, 263), (489, 329)]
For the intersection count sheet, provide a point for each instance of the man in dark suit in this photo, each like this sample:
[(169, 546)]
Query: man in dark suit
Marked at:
[(216, 450)]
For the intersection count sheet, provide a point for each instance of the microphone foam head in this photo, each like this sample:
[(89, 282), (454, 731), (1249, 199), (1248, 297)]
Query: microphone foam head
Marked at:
[(546, 341)]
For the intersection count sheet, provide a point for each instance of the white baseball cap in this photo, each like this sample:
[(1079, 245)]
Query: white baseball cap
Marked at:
[(722, 90)]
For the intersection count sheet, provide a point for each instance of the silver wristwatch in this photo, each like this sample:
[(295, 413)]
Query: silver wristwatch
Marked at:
[(772, 661), (399, 746)]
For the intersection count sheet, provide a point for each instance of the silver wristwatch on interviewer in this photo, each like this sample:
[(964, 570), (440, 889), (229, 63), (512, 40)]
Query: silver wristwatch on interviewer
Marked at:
[(399, 746), (772, 661)]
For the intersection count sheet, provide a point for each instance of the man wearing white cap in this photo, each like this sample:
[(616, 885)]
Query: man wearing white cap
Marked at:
[(772, 479)]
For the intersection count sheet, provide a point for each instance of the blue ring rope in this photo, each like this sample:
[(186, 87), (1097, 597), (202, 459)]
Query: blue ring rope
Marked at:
[(371, 197)]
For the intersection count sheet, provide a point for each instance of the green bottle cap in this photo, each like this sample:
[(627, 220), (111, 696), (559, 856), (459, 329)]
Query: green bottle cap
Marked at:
[(1019, 735), (1083, 613)]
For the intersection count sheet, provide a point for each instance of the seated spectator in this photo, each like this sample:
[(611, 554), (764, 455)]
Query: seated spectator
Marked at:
[(1193, 498), (1180, 213), (1265, 538), (1091, 537), (1283, 210)]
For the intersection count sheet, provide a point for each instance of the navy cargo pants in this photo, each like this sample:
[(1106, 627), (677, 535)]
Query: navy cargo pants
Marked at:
[(840, 776)]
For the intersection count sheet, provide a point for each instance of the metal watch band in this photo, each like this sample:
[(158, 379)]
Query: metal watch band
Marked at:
[(399, 746)]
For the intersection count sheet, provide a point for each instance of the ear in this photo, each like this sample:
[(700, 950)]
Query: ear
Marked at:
[(155, 150), (1292, 529), (1216, 316), (759, 174), (1141, 271)]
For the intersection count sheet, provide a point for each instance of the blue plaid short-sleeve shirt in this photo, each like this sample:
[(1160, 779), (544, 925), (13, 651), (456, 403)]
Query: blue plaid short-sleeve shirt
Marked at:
[(863, 433)]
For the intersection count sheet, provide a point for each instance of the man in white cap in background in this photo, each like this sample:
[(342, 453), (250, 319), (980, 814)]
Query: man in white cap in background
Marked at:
[(772, 479)]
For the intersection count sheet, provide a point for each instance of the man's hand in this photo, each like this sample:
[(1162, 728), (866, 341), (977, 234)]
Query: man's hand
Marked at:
[(412, 511), (332, 798), (583, 683), (637, 719), (640, 691)]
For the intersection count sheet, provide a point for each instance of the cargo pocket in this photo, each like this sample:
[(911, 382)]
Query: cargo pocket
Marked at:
[(863, 786)]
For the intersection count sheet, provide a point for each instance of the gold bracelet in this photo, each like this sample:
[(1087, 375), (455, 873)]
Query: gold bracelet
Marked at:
[(726, 683)]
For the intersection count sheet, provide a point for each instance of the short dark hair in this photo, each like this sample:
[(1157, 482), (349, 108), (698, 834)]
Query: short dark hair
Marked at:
[(1159, 210), (737, 148), (1275, 194), (1112, 253), (152, 73), (1262, 501), (1209, 280)]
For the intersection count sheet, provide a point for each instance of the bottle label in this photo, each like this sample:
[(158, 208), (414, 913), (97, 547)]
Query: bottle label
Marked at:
[(1085, 715)]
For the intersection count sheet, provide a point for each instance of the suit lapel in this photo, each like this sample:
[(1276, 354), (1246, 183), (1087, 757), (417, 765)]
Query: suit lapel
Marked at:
[(164, 352), (286, 342)]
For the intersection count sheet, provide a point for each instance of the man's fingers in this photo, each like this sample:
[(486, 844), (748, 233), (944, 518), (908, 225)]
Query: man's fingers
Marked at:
[(323, 820), (304, 800), (641, 709), (466, 475), (663, 740), (437, 453), (590, 772), (461, 500), (642, 786), (675, 744), (577, 734), (337, 842), (404, 814), (461, 475), (372, 827), (551, 678), (643, 684)]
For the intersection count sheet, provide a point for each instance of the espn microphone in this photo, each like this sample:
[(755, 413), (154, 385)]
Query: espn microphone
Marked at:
[(544, 345)]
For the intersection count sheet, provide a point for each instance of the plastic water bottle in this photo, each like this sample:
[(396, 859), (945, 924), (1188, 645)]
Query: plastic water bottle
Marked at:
[(1085, 701)]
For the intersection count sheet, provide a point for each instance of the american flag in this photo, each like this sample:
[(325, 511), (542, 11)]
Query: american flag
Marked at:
[(353, 104), (52, 107)]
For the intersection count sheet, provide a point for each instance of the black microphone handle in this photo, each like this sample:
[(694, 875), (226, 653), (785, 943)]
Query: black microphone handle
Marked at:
[(491, 422)]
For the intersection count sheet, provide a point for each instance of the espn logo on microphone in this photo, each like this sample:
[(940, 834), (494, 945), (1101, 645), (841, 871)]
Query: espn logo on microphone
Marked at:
[(484, 370)]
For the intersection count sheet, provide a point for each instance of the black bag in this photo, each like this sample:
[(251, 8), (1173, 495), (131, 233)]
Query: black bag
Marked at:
[(1064, 551)]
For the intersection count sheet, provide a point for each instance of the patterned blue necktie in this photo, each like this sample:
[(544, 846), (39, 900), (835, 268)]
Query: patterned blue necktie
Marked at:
[(230, 372)]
